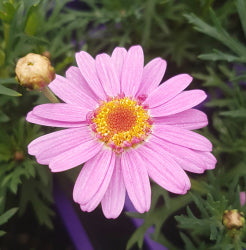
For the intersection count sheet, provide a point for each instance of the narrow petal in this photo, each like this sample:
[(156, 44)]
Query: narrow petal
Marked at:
[(75, 156), (136, 180), (132, 71), (88, 70), (153, 73), (59, 140), (61, 112), (94, 178), (188, 159), (169, 89), (118, 57), (52, 123), (182, 137), (163, 169), (188, 119), (71, 93), (73, 74), (181, 102), (107, 75), (114, 198), (46, 147)]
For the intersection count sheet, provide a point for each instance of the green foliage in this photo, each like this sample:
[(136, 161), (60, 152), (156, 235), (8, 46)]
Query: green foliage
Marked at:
[(6, 216), (21, 176)]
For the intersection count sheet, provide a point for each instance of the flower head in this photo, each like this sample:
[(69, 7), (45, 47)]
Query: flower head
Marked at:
[(34, 71), (125, 127)]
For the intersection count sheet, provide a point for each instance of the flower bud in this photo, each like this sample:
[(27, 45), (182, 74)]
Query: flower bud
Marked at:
[(34, 71), (19, 156), (232, 219)]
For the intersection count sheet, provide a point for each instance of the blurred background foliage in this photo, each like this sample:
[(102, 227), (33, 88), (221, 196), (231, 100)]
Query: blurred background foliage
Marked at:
[(205, 38)]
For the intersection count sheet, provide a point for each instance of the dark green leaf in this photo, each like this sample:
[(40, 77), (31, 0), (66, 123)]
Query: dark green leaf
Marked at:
[(7, 91), (7, 215), (240, 113)]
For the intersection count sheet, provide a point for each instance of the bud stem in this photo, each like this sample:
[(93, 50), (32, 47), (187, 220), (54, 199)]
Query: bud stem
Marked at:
[(47, 92)]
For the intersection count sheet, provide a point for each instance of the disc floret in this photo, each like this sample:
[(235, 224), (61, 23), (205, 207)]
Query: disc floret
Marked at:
[(121, 122)]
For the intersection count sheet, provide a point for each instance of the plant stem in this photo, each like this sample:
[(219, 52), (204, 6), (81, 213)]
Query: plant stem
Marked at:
[(47, 92)]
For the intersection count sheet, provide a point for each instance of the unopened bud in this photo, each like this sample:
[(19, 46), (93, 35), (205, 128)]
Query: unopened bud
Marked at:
[(232, 219), (34, 71), (19, 156)]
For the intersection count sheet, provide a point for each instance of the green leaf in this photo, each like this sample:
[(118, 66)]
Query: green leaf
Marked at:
[(219, 55), (7, 91), (7, 215), (241, 8), (217, 33), (240, 113)]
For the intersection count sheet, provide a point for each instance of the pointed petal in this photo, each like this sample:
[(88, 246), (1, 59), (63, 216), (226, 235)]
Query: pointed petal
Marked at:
[(88, 70), (114, 198), (182, 137), (52, 123), (71, 93), (181, 102), (136, 180), (75, 156), (167, 90), (163, 169), (94, 178), (118, 57), (153, 73), (74, 76), (187, 158), (132, 71), (107, 75), (61, 112), (188, 119)]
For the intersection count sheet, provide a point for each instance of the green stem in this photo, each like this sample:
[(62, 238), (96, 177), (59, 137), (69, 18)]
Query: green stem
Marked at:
[(47, 92)]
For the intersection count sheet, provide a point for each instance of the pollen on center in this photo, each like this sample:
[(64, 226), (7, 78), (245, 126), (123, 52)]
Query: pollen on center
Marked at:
[(121, 122)]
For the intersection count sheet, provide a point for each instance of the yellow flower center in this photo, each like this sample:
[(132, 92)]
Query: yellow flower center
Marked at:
[(121, 123)]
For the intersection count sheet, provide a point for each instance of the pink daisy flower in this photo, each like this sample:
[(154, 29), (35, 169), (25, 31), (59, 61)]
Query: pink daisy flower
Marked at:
[(125, 127)]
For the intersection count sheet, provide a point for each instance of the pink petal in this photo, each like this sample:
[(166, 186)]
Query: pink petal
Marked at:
[(74, 75), (50, 145), (136, 180), (182, 137), (75, 156), (181, 102), (61, 112), (132, 71), (88, 70), (187, 158), (163, 169), (242, 198), (153, 73), (167, 90), (71, 93), (114, 198), (188, 119), (118, 57), (52, 123), (107, 75), (208, 159), (94, 178)]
